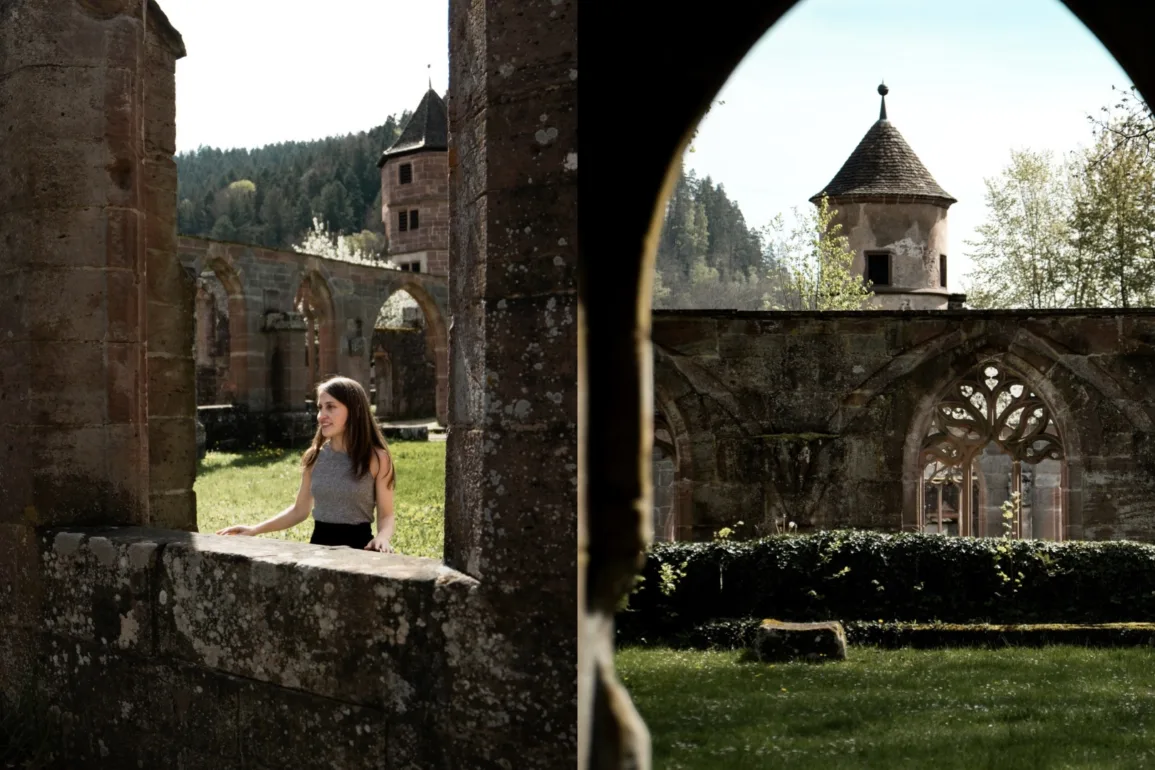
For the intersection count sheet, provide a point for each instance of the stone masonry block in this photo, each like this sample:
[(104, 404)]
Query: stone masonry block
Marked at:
[(171, 386), (172, 453), (86, 474), (73, 238), (281, 728), (293, 614), (777, 641), (21, 589), (67, 304), (98, 587), (176, 510), (531, 360), (67, 383)]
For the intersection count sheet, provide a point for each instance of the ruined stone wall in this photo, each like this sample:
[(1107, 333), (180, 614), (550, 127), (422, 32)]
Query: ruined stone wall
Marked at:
[(166, 649), (412, 375), (261, 281), (429, 194), (812, 417)]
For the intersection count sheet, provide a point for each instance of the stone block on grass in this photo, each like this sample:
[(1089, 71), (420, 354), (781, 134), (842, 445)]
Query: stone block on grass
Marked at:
[(776, 641)]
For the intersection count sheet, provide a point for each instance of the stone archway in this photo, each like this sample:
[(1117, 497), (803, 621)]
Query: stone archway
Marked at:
[(614, 347), (237, 384), (436, 343)]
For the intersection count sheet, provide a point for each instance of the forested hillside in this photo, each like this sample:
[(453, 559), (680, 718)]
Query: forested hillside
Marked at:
[(707, 255), (269, 196)]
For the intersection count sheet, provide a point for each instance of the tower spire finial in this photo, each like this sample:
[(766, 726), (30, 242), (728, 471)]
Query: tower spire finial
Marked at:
[(429, 71), (883, 91)]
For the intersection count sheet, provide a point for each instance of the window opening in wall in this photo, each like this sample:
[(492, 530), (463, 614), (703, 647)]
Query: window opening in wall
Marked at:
[(410, 267), (406, 173), (878, 267), (413, 219), (992, 463), (942, 270), (402, 221)]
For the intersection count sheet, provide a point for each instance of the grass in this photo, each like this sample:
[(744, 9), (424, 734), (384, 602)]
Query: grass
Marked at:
[(1060, 707), (249, 487)]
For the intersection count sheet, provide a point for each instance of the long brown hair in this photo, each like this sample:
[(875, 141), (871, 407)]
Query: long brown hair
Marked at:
[(362, 433)]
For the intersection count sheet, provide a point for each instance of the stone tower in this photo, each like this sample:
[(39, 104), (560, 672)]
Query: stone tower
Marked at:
[(415, 190), (895, 216)]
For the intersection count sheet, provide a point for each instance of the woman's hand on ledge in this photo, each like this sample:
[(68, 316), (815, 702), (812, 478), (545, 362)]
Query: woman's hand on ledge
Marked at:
[(379, 544), (238, 529)]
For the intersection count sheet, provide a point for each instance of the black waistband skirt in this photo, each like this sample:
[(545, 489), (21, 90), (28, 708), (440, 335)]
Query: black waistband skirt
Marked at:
[(351, 535)]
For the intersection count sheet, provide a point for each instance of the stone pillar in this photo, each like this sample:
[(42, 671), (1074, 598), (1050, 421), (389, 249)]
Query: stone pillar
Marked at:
[(511, 465), (78, 184), (170, 290)]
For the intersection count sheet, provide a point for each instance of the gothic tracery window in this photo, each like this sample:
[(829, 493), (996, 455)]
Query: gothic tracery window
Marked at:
[(992, 461)]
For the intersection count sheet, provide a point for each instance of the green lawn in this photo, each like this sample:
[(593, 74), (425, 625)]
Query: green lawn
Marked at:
[(249, 487), (1054, 707)]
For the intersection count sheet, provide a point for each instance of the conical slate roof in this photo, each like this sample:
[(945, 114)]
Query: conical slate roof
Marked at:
[(884, 164), (427, 129)]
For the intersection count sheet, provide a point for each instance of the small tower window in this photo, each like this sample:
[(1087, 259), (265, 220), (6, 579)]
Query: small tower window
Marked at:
[(402, 220), (406, 175), (942, 270), (878, 267), (413, 219)]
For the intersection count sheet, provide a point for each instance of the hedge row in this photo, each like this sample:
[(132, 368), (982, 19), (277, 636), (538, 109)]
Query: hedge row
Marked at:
[(738, 633), (870, 576)]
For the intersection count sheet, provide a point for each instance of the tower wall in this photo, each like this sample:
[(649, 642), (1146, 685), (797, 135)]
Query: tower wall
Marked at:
[(915, 234), (428, 194)]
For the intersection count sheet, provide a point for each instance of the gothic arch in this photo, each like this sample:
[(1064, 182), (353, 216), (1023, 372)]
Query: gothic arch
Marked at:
[(1041, 434)]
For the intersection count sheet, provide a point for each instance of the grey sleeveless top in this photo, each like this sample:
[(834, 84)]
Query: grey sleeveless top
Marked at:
[(338, 497)]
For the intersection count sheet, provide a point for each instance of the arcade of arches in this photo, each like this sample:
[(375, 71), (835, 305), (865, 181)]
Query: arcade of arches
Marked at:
[(272, 324)]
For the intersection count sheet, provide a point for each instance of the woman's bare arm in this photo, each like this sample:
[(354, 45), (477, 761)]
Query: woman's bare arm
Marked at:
[(290, 517)]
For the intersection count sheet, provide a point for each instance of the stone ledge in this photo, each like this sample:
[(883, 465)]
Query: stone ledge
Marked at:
[(290, 614)]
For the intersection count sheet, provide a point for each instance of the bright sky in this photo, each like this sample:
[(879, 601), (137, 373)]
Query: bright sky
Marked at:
[(969, 80), (259, 72)]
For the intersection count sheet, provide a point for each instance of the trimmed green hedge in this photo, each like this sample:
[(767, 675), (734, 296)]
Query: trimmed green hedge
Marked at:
[(869, 576)]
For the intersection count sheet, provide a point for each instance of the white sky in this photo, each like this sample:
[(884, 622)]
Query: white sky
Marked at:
[(260, 71), (969, 80)]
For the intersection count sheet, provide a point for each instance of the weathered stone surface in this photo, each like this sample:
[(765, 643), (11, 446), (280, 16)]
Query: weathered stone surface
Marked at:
[(808, 417), (98, 587), (294, 615), (776, 641)]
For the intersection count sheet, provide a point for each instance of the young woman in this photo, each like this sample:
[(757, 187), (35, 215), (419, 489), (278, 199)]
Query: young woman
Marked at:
[(345, 471)]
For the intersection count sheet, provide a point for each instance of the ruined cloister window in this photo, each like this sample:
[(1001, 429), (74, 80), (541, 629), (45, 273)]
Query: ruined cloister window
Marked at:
[(403, 370), (992, 461), (878, 267)]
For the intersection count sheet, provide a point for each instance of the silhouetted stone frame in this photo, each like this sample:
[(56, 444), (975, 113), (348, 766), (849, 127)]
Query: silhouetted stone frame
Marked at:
[(614, 351)]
